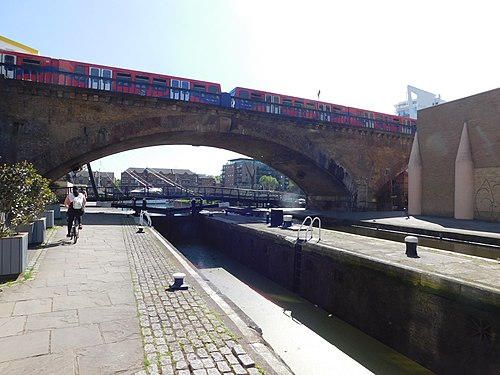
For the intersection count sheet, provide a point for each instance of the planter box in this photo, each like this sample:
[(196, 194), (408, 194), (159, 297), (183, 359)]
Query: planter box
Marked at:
[(49, 217), (27, 228), (13, 254), (39, 231), (57, 210)]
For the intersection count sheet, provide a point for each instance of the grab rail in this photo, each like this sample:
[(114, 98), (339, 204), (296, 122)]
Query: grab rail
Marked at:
[(310, 228), (146, 214)]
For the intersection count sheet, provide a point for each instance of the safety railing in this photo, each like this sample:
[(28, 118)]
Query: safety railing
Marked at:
[(309, 230), (145, 219)]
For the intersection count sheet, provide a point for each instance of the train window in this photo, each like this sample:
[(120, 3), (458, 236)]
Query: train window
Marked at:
[(299, 104), (213, 89), (9, 59), (287, 102), (337, 109), (142, 79), (8, 69), (31, 61), (199, 87), (160, 82), (327, 108), (310, 105), (243, 94), (123, 76), (256, 96), (79, 69)]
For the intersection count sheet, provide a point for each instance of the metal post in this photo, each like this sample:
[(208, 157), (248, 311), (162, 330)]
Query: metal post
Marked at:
[(92, 181)]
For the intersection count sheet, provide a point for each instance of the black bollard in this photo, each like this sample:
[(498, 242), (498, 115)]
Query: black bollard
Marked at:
[(411, 246), (276, 217), (178, 282)]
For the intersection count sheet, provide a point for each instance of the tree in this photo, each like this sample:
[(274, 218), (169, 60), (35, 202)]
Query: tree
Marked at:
[(293, 188), (23, 194), (268, 182)]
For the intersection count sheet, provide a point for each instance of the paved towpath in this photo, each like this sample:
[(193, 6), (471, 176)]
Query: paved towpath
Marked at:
[(101, 306)]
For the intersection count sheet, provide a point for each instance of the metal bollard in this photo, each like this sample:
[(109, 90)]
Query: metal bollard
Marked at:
[(287, 221), (411, 246), (178, 282)]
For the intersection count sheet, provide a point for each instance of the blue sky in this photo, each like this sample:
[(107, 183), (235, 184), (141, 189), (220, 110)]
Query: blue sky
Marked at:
[(359, 53)]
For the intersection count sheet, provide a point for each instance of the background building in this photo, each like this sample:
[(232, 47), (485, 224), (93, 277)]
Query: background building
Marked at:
[(245, 173), (105, 181), (423, 99), (157, 179), (11, 45), (206, 181)]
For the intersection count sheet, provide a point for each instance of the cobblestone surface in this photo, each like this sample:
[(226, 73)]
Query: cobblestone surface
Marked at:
[(181, 334)]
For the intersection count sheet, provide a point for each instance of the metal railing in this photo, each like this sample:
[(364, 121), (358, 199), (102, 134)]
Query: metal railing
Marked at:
[(309, 228), (145, 222)]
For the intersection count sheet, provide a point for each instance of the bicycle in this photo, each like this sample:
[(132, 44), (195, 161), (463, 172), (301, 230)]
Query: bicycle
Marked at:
[(75, 230)]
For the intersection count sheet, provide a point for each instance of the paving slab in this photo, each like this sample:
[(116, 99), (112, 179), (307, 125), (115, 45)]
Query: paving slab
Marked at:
[(32, 306), (52, 320), (53, 364), (6, 309), (27, 345), (13, 325)]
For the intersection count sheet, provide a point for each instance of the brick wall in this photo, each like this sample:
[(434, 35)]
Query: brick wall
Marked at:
[(439, 131)]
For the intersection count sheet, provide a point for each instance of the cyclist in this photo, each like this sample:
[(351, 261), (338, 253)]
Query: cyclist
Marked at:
[(75, 201)]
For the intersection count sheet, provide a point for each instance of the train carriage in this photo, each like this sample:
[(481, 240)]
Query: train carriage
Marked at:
[(141, 83), (27, 67), (263, 101), (381, 121), (78, 74), (16, 65)]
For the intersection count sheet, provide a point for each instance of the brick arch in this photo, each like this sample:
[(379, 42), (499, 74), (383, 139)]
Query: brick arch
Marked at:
[(60, 128)]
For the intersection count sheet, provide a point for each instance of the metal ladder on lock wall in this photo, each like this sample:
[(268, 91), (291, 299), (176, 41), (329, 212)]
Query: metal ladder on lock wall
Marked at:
[(297, 261)]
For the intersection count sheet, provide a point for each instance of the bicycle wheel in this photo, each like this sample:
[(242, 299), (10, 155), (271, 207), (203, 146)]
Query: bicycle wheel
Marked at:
[(75, 234)]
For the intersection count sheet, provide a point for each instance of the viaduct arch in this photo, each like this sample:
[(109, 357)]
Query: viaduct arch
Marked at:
[(61, 128)]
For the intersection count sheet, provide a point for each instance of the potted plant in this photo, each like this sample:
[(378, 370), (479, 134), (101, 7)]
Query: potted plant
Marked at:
[(23, 194)]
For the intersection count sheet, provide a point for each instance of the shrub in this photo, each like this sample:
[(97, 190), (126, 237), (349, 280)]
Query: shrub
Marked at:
[(23, 194)]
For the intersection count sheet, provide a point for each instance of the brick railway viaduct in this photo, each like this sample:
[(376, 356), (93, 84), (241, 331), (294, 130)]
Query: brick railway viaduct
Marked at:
[(61, 128)]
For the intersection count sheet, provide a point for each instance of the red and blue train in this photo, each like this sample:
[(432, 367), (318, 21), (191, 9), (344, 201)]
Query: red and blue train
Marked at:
[(16, 65)]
